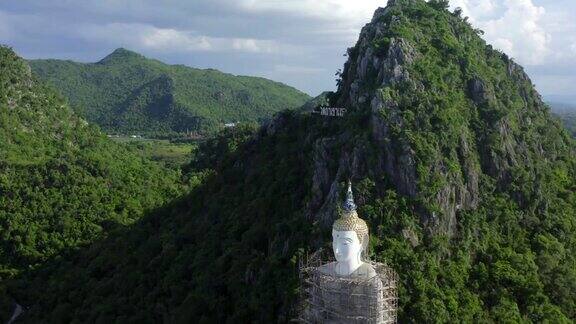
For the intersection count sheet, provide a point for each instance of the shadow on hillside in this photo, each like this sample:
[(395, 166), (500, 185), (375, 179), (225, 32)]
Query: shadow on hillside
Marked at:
[(226, 251), (51, 287)]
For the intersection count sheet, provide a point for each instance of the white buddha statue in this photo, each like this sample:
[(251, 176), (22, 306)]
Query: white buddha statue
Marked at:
[(349, 242), (348, 290)]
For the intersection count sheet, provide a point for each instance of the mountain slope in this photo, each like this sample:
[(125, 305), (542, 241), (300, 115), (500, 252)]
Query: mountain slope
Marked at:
[(467, 183), (62, 182), (126, 92)]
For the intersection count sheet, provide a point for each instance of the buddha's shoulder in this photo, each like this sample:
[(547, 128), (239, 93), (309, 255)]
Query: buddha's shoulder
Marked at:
[(328, 268), (366, 271)]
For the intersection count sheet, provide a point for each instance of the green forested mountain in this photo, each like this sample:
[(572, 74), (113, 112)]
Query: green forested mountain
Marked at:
[(62, 182), (467, 182), (126, 93)]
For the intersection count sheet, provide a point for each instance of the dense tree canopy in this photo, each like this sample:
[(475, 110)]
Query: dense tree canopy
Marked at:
[(62, 182)]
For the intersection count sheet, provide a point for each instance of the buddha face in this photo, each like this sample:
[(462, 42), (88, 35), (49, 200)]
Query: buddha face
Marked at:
[(346, 245)]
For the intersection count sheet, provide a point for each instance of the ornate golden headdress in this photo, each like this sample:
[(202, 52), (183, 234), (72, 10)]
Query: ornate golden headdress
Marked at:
[(349, 220)]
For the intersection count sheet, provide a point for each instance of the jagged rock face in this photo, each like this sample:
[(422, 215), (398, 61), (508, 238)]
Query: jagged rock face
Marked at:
[(401, 168), (383, 73), (331, 165), (369, 69)]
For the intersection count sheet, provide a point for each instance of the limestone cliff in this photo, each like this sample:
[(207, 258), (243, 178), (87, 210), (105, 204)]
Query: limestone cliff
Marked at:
[(444, 108)]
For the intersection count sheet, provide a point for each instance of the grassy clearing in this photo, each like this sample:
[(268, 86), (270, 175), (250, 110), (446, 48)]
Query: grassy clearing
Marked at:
[(173, 155)]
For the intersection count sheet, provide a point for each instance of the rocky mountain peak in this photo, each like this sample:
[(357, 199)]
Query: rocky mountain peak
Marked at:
[(444, 110)]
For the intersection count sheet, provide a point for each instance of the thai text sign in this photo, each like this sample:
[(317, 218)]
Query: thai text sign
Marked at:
[(332, 111)]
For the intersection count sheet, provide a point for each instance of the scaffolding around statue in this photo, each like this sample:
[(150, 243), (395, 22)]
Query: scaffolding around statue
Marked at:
[(333, 299)]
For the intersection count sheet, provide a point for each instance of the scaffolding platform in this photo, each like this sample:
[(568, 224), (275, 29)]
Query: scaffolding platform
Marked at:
[(327, 298)]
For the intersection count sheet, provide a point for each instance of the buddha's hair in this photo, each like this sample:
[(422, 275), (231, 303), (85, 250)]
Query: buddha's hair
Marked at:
[(349, 221)]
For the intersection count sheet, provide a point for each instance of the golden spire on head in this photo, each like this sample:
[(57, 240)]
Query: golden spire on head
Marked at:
[(349, 220)]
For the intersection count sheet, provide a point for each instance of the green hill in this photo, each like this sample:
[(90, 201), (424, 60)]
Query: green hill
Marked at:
[(62, 182), (128, 93), (466, 181)]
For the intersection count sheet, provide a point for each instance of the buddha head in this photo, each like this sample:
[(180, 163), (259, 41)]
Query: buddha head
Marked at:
[(349, 233)]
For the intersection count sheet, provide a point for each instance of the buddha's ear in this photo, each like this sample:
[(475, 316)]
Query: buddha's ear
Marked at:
[(365, 245)]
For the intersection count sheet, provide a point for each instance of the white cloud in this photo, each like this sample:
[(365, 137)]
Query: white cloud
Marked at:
[(343, 17), (517, 28), (143, 36), (337, 10), (174, 39), (475, 9), (504, 44), (251, 45), (573, 48)]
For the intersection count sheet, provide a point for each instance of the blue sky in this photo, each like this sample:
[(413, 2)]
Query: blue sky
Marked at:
[(298, 42)]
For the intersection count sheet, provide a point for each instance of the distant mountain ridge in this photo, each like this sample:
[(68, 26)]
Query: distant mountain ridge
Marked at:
[(561, 106), (567, 114), (126, 92)]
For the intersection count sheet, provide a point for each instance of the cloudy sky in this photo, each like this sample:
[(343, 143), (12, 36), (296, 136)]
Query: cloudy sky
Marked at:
[(298, 42)]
